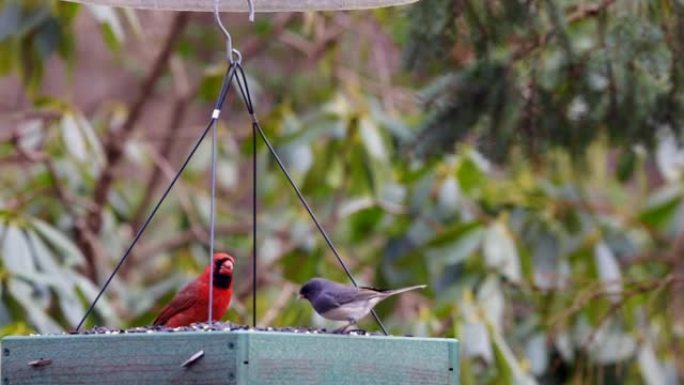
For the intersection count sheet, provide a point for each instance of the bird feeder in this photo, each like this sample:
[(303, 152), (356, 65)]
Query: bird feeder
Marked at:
[(242, 357), (215, 354)]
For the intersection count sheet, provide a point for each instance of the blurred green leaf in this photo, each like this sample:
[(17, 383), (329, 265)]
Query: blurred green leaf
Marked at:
[(10, 17), (23, 293), (661, 210), (15, 329), (16, 253), (470, 177), (7, 56), (500, 251), (299, 267), (651, 370), (110, 25), (70, 253), (457, 243), (73, 138), (609, 271), (48, 38)]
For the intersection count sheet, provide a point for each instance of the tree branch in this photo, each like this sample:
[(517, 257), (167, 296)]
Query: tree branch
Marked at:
[(578, 14), (193, 234), (251, 47), (115, 141), (87, 228)]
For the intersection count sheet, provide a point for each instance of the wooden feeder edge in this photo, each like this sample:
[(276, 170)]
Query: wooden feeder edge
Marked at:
[(236, 357)]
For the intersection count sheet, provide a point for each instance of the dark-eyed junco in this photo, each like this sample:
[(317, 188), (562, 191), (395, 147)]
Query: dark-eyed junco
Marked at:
[(345, 303)]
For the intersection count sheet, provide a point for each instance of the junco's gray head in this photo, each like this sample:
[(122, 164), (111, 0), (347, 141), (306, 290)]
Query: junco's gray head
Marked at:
[(344, 303), (312, 288)]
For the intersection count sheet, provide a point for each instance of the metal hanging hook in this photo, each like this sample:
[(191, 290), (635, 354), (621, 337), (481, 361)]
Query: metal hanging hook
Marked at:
[(234, 56), (250, 4)]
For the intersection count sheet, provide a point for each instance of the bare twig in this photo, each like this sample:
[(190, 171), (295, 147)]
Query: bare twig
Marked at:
[(250, 48), (274, 310), (88, 240), (578, 14), (115, 141), (114, 145), (655, 286), (180, 107), (163, 167), (254, 45), (194, 234), (601, 289)]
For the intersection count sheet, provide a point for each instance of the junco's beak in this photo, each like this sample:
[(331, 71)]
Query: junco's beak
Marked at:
[(300, 296)]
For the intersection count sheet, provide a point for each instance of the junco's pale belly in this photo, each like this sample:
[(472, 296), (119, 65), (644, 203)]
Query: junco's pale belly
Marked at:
[(348, 311)]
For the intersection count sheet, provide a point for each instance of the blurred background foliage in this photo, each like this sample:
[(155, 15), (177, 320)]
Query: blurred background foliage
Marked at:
[(522, 158)]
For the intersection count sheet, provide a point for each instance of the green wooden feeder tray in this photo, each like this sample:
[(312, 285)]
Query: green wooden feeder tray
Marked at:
[(229, 357)]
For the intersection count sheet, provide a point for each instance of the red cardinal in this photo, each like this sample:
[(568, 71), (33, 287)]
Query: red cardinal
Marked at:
[(190, 305)]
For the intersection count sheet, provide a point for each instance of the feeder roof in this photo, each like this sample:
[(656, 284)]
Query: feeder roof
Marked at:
[(242, 5)]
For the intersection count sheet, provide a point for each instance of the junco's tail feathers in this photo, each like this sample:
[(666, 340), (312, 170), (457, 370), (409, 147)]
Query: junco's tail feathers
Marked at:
[(390, 292)]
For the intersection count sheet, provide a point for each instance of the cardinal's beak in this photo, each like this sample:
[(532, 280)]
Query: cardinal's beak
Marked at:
[(226, 267)]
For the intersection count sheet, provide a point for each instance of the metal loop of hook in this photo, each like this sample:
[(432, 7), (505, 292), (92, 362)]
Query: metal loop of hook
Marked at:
[(230, 51), (235, 57)]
